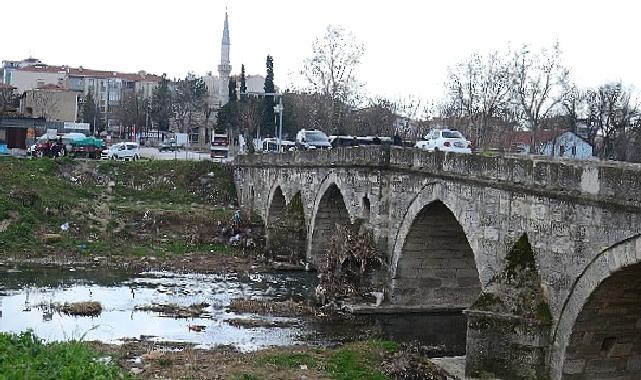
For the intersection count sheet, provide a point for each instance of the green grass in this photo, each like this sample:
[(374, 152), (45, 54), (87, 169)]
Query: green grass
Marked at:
[(24, 356), (388, 345), (349, 364), (35, 199), (282, 360)]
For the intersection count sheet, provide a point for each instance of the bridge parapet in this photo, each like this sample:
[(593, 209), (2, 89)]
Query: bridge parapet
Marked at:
[(617, 183)]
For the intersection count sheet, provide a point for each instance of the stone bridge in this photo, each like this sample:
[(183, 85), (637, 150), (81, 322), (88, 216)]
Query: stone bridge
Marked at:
[(447, 224)]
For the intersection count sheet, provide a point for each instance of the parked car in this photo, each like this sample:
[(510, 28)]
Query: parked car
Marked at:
[(373, 140), (445, 140), (307, 139), (342, 141), (128, 151), (270, 144), (168, 145)]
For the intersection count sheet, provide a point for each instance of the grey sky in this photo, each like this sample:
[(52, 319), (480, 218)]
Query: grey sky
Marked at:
[(408, 43)]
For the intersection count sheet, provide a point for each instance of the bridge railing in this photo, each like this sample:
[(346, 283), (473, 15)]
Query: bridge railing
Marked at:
[(621, 181)]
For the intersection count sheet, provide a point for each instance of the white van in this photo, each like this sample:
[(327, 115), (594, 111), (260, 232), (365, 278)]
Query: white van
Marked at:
[(128, 151)]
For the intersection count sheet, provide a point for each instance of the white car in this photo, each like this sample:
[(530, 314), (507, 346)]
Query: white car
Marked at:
[(445, 140), (309, 139), (128, 151)]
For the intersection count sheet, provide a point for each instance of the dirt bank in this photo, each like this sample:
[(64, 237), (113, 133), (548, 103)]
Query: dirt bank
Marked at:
[(373, 359)]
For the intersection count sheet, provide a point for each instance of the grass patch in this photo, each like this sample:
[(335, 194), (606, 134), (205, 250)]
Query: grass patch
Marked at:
[(24, 356), (285, 360), (387, 345), (348, 364)]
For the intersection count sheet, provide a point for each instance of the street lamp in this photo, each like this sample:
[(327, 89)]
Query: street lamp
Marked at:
[(279, 109)]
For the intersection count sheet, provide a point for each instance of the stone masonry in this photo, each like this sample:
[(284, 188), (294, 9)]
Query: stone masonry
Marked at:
[(446, 223)]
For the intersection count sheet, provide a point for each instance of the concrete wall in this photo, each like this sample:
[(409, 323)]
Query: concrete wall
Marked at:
[(572, 212)]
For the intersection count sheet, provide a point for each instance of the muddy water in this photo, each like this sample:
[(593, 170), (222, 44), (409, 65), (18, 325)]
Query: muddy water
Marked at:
[(26, 294)]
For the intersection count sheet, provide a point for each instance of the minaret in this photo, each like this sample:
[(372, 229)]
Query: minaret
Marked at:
[(224, 69)]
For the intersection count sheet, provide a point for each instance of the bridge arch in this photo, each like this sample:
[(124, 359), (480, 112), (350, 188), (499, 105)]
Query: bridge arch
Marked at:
[(598, 329), (433, 261), (277, 206), (330, 208)]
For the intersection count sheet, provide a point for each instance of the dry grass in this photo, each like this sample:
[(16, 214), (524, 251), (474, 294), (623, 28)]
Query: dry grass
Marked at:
[(85, 308), (283, 309)]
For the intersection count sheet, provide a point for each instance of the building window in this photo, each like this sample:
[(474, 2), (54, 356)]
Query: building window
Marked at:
[(574, 151), (193, 135)]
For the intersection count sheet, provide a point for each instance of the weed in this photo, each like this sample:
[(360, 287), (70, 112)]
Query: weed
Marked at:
[(347, 364), (24, 356), (388, 345), (285, 360)]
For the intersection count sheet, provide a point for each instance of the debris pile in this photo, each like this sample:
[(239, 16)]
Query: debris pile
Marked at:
[(85, 308), (175, 311), (411, 362), (275, 308), (353, 269)]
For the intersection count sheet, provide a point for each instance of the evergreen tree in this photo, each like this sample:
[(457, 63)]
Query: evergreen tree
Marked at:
[(268, 107), (243, 84), (231, 87), (90, 112), (161, 105)]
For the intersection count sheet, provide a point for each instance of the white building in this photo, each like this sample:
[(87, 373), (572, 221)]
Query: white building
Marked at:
[(9, 66), (568, 145)]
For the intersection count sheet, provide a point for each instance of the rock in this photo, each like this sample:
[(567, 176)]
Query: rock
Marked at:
[(50, 238), (136, 371)]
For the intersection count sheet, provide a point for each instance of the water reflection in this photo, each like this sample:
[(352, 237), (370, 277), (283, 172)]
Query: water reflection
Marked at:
[(27, 295)]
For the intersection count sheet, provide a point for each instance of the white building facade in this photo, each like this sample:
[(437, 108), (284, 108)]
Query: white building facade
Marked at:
[(568, 145)]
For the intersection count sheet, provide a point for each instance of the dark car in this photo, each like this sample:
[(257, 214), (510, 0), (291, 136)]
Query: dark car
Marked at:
[(168, 146)]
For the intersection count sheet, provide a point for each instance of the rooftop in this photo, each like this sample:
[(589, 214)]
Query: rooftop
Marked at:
[(140, 76)]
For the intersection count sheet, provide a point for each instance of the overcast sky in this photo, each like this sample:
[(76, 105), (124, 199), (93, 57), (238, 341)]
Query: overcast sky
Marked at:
[(409, 43)]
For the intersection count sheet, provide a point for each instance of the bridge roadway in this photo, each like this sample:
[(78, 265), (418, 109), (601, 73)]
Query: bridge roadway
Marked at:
[(448, 226)]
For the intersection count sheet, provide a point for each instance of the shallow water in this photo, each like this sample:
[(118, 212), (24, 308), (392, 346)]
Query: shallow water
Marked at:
[(26, 294)]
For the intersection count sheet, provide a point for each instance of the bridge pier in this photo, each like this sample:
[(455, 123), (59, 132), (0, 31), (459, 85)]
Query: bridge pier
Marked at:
[(506, 346)]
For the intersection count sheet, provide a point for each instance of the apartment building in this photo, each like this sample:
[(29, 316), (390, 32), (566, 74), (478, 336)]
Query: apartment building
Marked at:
[(105, 86)]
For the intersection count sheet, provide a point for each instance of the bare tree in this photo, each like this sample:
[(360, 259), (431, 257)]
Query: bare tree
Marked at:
[(44, 103), (539, 84), (189, 102), (7, 98), (132, 111), (331, 70), (613, 116), (479, 91), (306, 110), (250, 113)]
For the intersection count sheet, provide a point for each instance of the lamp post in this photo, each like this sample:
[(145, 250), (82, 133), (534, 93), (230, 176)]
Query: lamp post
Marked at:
[(279, 108)]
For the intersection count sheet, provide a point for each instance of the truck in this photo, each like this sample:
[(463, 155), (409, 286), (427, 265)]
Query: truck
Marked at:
[(89, 147), (219, 145), (47, 145)]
